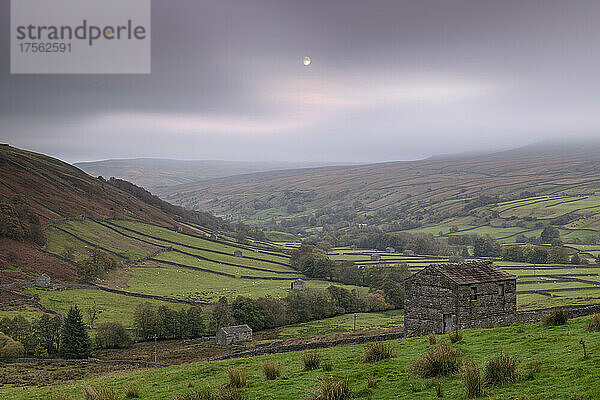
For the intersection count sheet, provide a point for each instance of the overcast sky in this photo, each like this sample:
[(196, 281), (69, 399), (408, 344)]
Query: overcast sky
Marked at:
[(389, 80)]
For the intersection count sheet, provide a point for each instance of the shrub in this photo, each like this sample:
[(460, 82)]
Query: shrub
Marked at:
[(332, 388), (112, 335), (377, 351), (371, 381), (202, 394), (10, 348), (455, 336), (311, 360), (530, 369), (231, 394), (327, 366), (440, 360), (500, 369), (473, 382), (438, 388), (271, 370), (432, 339), (594, 324), (55, 396), (236, 377), (555, 317), (132, 392), (99, 393)]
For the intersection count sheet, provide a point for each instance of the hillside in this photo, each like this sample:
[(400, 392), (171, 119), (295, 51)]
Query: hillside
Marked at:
[(152, 173), (431, 195), (58, 190), (52, 190)]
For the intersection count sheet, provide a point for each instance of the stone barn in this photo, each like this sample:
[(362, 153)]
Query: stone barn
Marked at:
[(237, 253), (390, 249), (299, 284), (234, 334), (375, 257), (409, 253), (445, 297)]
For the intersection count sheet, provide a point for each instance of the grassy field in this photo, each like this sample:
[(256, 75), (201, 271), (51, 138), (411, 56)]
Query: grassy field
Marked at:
[(193, 285), (344, 324), (552, 355), (114, 307)]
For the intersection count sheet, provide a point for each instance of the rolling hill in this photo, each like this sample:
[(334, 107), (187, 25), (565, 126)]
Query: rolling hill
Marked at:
[(558, 181), (153, 173)]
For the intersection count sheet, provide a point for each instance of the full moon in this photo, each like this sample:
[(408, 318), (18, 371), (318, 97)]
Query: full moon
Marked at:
[(306, 61)]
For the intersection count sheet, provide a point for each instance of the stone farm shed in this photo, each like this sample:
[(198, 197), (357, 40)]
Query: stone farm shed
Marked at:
[(234, 334), (445, 297), (299, 284)]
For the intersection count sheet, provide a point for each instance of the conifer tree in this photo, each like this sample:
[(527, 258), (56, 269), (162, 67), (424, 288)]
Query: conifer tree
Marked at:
[(75, 342)]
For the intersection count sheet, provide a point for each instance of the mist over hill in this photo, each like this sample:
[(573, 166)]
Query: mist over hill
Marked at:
[(152, 173)]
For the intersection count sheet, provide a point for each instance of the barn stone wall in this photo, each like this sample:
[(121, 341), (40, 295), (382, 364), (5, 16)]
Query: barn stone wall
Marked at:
[(490, 309), (428, 296)]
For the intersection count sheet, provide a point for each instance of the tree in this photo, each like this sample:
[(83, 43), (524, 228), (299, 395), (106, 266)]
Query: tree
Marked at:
[(575, 259), (48, 329), (247, 311), (558, 255), (112, 335), (92, 313), (194, 326), (75, 342), (486, 247), (548, 234), (222, 315), (146, 321)]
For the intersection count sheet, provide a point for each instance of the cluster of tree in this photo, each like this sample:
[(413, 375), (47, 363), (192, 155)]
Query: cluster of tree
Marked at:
[(299, 306), (540, 255), (95, 265), (162, 322), (19, 222), (388, 280), (50, 335), (39, 337)]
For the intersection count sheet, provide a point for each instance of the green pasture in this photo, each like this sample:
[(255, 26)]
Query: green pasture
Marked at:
[(343, 324), (552, 355)]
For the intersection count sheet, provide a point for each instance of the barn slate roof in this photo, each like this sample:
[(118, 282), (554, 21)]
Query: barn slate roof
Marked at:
[(228, 330), (467, 273)]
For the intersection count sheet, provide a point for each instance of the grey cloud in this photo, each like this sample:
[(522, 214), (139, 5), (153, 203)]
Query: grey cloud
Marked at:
[(389, 80)]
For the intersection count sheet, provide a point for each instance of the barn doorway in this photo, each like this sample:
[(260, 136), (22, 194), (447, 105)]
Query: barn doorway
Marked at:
[(448, 323)]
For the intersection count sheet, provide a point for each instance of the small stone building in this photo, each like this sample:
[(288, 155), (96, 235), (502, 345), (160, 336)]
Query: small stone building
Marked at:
[(409, 253), (234, 334), (444, 297), (299, 284), (375, 257), (390, 249), (237, 253), (42, 281)]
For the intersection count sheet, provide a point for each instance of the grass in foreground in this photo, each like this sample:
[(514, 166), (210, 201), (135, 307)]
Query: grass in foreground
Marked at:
[(560, 370)]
